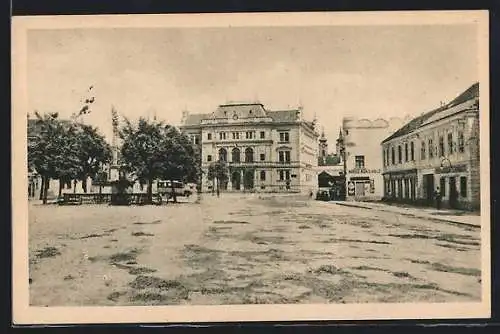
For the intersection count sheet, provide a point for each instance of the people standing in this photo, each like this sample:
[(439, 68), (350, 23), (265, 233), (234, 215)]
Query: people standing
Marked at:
[(437, 197)]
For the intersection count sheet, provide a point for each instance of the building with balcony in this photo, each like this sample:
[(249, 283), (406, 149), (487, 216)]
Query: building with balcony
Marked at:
[(438, 149), (360, 141), (265, 150)]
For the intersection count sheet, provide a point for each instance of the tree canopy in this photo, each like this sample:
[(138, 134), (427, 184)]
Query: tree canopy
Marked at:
[(65, 150), (92, 153), (155, 150)]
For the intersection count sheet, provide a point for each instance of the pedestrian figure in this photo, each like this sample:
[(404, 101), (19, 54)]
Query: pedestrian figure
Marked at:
[(437, 197)]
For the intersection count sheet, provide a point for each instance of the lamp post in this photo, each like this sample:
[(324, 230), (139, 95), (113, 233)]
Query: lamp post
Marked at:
[(344, 167)]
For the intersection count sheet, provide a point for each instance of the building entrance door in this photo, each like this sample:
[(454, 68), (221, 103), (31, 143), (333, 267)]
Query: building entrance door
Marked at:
[(359, 189), (453, 192), (249, 179), (236, 180), (429, 188)]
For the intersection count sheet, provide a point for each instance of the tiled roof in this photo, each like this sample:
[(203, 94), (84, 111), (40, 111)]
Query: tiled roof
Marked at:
[(283, 115), (195, 119), (471, 93), (242, 110)]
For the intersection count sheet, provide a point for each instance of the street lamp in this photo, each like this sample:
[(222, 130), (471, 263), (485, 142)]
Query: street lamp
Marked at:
[(344, 173)]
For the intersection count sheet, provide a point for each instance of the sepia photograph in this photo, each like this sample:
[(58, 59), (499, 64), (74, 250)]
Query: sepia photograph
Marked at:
[(250, 167)]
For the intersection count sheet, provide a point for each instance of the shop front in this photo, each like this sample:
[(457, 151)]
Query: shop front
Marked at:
[(454, 185), (401, 186), (364, 185)]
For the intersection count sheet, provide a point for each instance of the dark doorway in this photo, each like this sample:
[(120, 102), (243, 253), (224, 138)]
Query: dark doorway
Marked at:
[(429, 188), (236, 180), (249, 179), (453, 192)]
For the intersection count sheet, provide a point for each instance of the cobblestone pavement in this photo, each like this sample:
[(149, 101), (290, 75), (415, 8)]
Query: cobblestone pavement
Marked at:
[(247, 249)]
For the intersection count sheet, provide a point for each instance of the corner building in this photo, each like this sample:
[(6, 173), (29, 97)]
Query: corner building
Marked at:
[(265, 151), (439, 149)]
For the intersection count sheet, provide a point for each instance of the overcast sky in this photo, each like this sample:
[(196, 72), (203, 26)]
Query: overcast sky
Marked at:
[(368, 71)]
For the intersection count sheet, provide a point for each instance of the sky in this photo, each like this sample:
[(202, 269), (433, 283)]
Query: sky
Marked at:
[(331, 71)]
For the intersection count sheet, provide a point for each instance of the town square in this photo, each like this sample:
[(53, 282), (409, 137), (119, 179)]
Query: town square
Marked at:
[(254, 165), (252, 249)]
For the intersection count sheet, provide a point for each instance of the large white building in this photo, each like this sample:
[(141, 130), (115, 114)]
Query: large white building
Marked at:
[(265, 151), (363, 156)]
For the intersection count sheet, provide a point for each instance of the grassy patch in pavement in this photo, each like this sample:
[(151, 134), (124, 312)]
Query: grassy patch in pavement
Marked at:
[(149, 223), (368, 268), (142, 234), (47, 252), (358, 241), (457, 270), (230, 222)]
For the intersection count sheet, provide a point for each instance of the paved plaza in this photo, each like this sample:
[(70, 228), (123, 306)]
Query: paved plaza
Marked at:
[(247, 249)]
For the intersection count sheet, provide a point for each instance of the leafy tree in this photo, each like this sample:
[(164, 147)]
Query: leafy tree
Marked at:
[(92, 153), (51, 152), (218, 170), (152, 150), (182, 158)]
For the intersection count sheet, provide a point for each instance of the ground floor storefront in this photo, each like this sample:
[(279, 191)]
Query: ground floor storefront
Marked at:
[(364, 186), (421, 187)]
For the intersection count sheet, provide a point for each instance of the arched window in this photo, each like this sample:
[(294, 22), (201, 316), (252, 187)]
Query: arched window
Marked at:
[(222, 154), (249, 155), (236, 155)]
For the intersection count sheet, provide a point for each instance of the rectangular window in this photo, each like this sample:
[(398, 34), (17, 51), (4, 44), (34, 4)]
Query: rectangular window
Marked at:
[(431, 149), (222, 135), (441, 146), (287, 156), (249, 135), (450, 143), (262, 157), (196, 140), (359, 161), (262, 175), (262, 135), (281, 156), (461, 144), (209, 157), (287, 175), (282, 175), (393, 156), (463, 186), (442, 186), (284, 137), (400, 154), (236, 135), (412, 151), (422, 150), (209, 136), (406, 151)]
